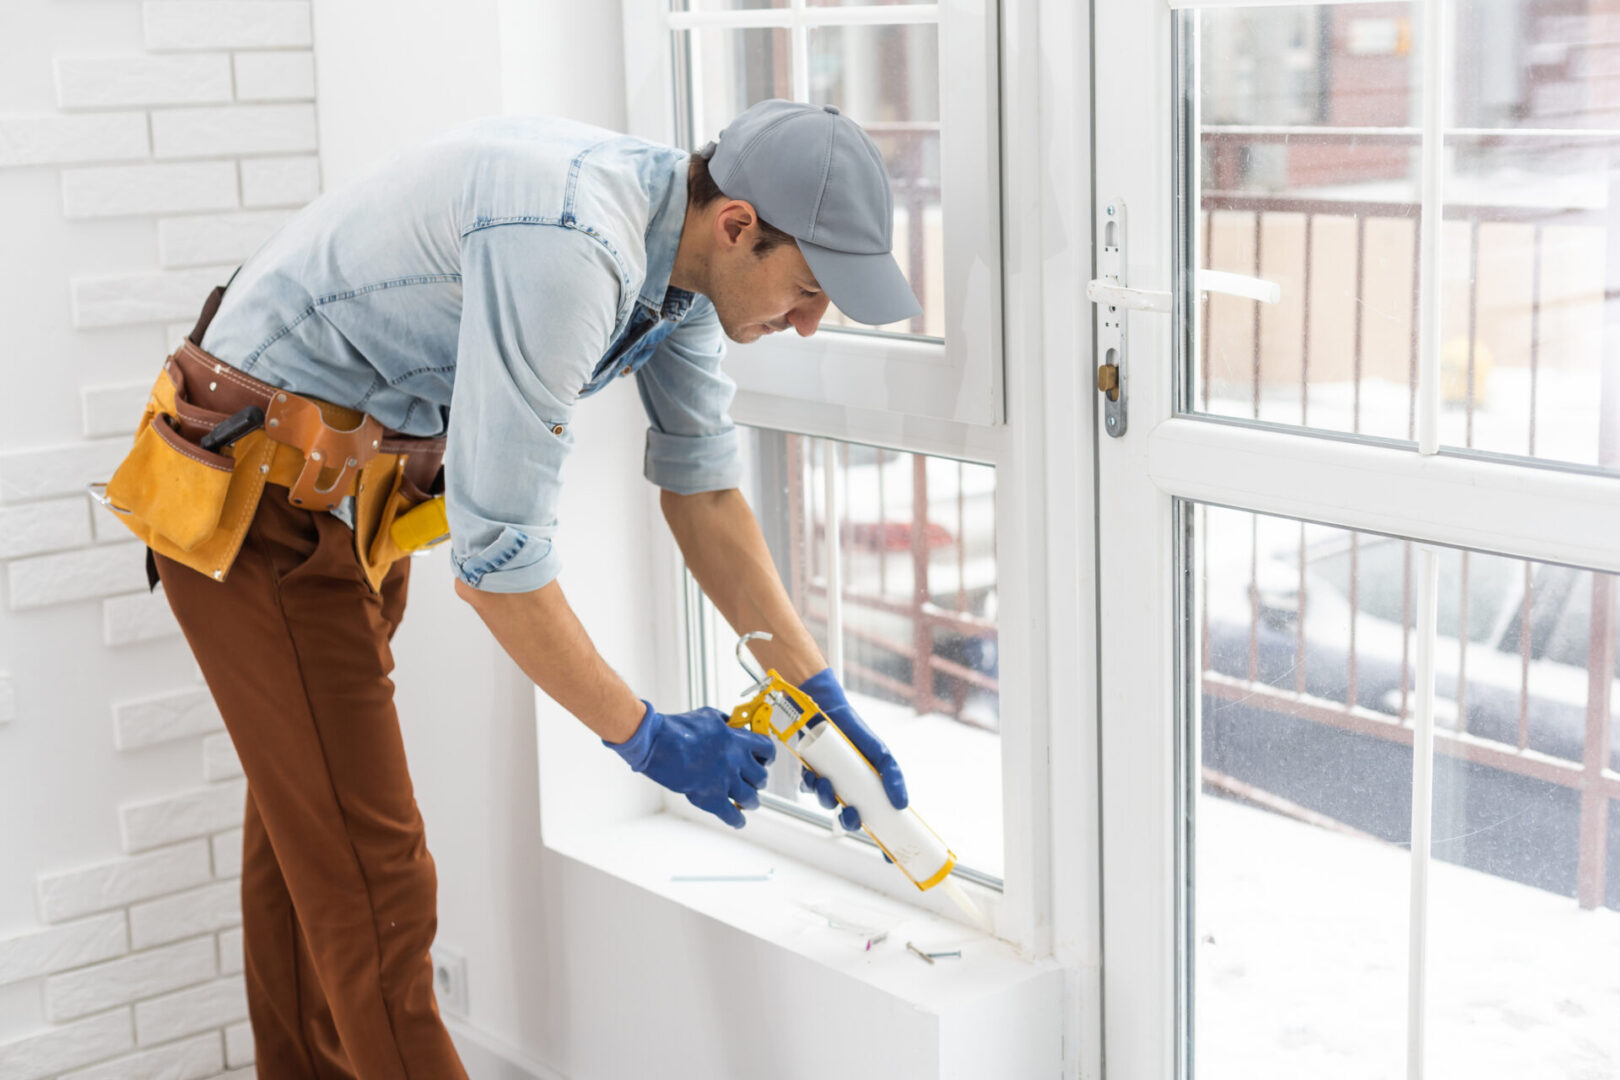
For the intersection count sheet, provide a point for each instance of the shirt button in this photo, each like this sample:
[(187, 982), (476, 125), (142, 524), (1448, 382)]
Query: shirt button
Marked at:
[(624, 372), (558, 430)]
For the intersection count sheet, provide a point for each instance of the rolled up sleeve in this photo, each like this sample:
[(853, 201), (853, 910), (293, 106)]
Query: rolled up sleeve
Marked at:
[(539, 305), (692, 444)]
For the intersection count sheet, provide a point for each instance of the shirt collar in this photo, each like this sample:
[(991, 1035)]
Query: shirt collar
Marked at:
[(663, 239)]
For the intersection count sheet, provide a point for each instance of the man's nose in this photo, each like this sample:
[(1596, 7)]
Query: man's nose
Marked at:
[(807, 316)]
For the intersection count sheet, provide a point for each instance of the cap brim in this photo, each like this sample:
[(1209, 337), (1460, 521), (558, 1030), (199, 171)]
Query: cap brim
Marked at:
[(868, 288)]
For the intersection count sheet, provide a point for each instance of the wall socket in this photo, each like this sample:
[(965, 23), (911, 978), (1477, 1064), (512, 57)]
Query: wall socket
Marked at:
[(450, 980)]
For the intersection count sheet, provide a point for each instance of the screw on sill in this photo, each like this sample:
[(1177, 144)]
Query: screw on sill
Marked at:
[(912, 946)]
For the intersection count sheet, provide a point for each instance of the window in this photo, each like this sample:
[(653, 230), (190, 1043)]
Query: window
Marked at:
[(882, 64), (913, 629)]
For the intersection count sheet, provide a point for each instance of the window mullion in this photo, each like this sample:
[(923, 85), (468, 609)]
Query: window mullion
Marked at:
[(1417, 966), (801, 53)]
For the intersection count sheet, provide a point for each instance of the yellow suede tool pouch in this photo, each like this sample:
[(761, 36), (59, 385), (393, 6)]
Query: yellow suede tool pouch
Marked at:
[(184, 502)]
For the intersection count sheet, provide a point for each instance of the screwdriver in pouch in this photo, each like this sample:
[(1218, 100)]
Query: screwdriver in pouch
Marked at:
[(231, 428)]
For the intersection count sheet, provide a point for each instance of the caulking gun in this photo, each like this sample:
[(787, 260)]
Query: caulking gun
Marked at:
[(776, 707)]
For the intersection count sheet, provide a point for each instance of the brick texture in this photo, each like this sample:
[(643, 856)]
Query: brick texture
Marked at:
[(226, 24), (36, 528), (72, 893), (286, 181), (44, 580), (200, 911), (43, 472), (142, 616), (193, 1059), (228, 854), (57, 948), (115, 190), (179, 817), (114, 409), (89, 82), (131, 299), (67, 1047), (212, 1005), (219, 759), (275, 76), (64, 140), (119, 982), (215, 238), (238, 129), (160, 719), (239, 1045)]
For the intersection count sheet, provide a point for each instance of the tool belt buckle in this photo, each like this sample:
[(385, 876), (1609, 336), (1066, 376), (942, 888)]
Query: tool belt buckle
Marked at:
[(331, 454)]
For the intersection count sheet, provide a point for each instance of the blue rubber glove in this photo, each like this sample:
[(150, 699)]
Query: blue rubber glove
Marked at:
[(718, 768), (824, 690)]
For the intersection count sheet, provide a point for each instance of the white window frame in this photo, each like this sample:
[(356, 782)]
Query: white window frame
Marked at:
[(1531, 510), (1040, 450), (959, 378)]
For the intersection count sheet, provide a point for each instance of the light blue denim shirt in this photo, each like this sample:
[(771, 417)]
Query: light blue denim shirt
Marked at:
[(481, 285)]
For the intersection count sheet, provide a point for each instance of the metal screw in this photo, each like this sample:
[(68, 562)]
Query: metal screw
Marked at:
[(919, 952), (1110, 421)]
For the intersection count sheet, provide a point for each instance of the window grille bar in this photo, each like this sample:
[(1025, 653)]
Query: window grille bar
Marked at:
[(1417, 965)]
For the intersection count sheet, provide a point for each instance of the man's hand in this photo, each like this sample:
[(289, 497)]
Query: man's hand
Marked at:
[(697, 754), (825, 691)]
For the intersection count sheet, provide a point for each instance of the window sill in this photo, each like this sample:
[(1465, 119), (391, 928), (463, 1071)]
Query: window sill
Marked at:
[(790, 911)]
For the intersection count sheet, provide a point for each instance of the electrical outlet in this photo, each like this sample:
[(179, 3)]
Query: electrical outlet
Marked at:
[(450, 980)]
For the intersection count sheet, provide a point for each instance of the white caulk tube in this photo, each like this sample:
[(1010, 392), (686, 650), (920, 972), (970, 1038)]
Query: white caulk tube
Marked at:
[(915, 848)]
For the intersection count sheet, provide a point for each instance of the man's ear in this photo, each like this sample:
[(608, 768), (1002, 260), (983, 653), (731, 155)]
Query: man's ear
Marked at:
[(732, 222)]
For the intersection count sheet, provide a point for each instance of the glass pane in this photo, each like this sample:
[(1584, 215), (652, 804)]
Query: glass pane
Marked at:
[(1308, 171), (1306, 681), (1529, 259), (1525, 863), (731, 70), (916, 540), (886, 78), (1300, 894)]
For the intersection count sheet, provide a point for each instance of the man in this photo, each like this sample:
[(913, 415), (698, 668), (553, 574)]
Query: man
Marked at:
[(477, 289)]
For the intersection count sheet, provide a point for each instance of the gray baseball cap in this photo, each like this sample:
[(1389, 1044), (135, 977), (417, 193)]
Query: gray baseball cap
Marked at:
[(813, 173)]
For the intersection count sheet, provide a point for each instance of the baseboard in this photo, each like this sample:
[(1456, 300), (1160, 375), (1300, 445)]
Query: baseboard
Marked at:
[(489, 1057)]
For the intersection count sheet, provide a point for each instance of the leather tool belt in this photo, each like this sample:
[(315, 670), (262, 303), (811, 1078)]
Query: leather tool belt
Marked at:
[(194, 506)]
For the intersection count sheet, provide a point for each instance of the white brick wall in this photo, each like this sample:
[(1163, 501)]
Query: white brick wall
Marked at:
[(237, 129), (130, 978), (114, 190), (129, 299), (179, 817), (289, 181), (230, 955), (200, 911), (63, 140), (238, 1045), (67, 1047), (57, 948), (90, 82), (219, 759), (150, 943), (212, 1005), (168, 716), (225, 24), (142, 616), (57, 470), (115, 409), (45, 526), (75, 575), (214, 238), (122, 881), (275, 76), (228, 854), (192, 1059)]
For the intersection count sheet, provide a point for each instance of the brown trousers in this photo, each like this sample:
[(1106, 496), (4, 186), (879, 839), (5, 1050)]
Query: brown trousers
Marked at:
[(338, 888)]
